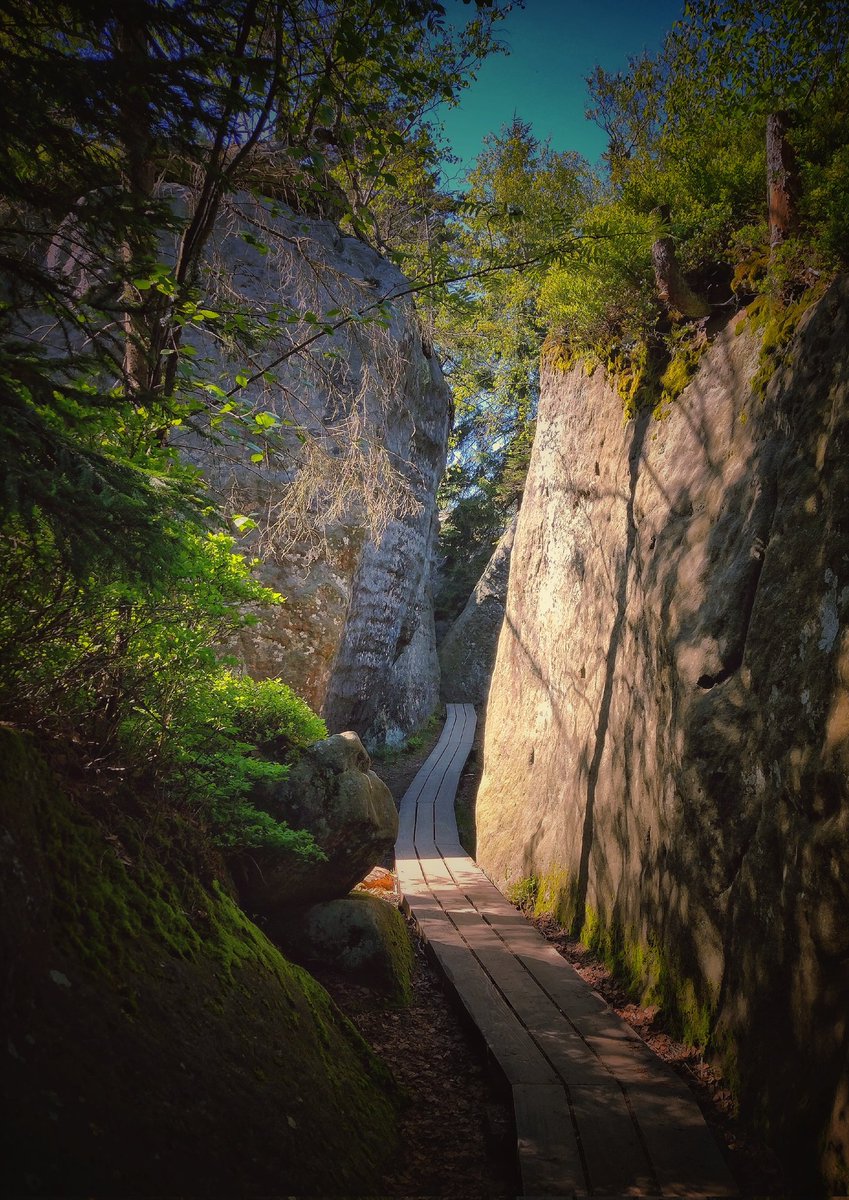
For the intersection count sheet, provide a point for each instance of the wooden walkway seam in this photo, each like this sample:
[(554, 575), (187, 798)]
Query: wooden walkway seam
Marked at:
[(596, 1112)]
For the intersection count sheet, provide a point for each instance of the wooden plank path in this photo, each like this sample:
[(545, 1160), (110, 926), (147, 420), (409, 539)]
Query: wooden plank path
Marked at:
[(597, 1114)]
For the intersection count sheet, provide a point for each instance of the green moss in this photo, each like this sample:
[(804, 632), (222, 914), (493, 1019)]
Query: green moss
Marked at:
[(427, 733), (523, 893), (645, 375), (111, 898), (253, 1080), (680, 370), (558, 355), (394, 973), (724, 1046), (549, 893), (425, 736), (777, 321), (554, 895), (653, 976), (635, 377)]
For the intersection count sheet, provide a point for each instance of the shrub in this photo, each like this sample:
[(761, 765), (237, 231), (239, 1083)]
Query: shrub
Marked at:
[(129, 669), (604, 297)]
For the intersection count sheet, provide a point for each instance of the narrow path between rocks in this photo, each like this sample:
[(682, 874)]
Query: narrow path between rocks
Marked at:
[(595, 1111)]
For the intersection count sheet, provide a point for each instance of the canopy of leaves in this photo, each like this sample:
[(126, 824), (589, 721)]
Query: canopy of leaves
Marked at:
[(687, 158), (522, 203)]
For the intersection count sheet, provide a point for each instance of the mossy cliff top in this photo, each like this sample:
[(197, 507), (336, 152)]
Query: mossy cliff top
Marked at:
[(155, 1040)]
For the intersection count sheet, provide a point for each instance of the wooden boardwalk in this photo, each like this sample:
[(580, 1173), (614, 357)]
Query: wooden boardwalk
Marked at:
[(597, 1114)]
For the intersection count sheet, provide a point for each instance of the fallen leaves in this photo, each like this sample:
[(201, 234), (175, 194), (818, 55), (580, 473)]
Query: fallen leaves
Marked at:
[(377, 880)]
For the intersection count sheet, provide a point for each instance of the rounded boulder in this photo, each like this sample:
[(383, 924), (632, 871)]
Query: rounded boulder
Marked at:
[(333, 794)]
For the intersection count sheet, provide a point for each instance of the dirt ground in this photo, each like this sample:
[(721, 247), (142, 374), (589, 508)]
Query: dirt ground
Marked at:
[(456, 1131)]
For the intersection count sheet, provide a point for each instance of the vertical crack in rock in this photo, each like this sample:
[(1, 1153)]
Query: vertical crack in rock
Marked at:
[(741, 582)]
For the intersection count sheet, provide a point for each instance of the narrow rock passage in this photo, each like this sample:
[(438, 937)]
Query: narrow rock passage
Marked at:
[(596, 1112)]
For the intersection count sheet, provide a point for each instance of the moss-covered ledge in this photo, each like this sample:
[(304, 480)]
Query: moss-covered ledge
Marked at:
[(156, 1041)]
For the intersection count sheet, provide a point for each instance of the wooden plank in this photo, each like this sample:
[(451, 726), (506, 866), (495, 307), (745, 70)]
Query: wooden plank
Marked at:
[(684, 1155), (549, 1158), (683, 1152), (508, 1042), (614, 1154), (407, 808), (541, 1022)]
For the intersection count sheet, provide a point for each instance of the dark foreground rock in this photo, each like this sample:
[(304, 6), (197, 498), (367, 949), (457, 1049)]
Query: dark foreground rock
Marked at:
[(333, 793), (154, 1041), (360, 936)]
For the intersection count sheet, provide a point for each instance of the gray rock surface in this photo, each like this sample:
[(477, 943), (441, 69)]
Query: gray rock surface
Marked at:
[(358, 935), (347, 516), (332, 793), (667, 734), (467, 653)]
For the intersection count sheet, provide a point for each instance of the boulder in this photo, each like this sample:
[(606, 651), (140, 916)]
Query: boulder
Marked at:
[(362, 936), (132, 963), (333, 793)]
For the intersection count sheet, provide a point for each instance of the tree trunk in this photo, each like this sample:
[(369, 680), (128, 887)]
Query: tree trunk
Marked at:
[(782, 179), (140, 360), (672, 288)]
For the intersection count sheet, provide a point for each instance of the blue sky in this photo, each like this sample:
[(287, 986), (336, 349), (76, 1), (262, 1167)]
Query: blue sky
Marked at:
[(554, 45)]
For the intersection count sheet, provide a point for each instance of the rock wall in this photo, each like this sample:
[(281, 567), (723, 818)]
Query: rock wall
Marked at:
[(155, 1043), (347, 517), (667, 735), (467, 653)]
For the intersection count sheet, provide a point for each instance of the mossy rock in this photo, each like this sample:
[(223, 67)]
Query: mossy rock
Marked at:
[(361, 936), (652, 975), (333, 794), (155, 1041)]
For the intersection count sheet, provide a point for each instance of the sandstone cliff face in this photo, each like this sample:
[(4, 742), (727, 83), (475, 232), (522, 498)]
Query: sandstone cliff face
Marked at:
[(667, 735), (467, 655), (347, 516)]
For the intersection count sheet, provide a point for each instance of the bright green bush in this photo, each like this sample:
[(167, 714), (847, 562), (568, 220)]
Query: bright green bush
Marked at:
[(131, 671), (604, 295), (233, 736)]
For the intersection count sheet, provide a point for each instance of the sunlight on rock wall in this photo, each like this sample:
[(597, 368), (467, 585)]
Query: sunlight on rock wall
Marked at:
[(668, 722)]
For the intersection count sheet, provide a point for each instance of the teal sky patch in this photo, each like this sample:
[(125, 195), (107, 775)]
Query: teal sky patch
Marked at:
[(554, 45)]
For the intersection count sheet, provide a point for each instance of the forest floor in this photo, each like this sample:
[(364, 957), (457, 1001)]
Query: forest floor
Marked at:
[(457, 1132)]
